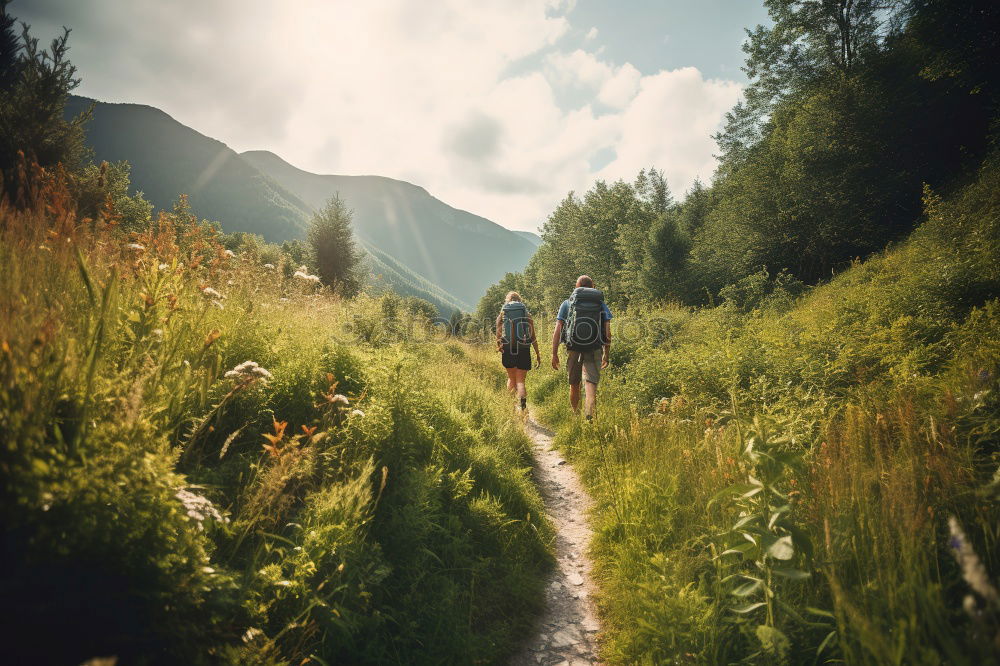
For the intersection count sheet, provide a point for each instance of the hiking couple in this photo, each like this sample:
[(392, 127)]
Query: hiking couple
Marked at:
[(582, 324)]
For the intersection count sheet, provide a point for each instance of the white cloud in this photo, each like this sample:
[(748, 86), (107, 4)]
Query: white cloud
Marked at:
[(418, 91), (619, 90)]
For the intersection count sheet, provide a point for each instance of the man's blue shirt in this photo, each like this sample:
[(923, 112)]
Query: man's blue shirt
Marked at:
[(564, 312)]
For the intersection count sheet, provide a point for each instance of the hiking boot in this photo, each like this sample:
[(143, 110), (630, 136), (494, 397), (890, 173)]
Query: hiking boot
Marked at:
[(524, 404)]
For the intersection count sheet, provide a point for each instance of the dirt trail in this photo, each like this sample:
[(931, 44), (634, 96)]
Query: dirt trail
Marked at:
[(566, 632)]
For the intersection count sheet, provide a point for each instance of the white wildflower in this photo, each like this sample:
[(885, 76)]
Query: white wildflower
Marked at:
[(340, 399), (357, 412), (199, 508), (208, 292), (164, 267), (302, 275), (157, 333), (136, 247), (219, 305), (972, 567), (283, 300), (230, 253), (269, 267), (248, 370)]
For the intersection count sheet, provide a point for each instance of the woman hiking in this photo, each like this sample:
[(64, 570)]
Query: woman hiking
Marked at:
[(515, 334)]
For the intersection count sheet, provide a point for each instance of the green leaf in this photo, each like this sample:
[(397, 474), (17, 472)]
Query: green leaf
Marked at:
[(745, 520), (782, 549), (746, 589), (741, 549), (826, 641), (791, 574), (778, 513), (820, 612), (748, 607)]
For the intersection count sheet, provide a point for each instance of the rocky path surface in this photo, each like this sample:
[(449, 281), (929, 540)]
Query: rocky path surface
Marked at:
[(565, 635)]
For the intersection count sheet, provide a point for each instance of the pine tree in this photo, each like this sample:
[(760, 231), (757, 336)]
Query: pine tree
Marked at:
[(37, 84), (9, 47), (335, 253)]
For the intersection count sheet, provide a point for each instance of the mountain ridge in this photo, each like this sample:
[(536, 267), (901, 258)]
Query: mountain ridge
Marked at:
[(428, 246)]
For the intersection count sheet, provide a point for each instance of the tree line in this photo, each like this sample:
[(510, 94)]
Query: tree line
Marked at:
[(853, 107)]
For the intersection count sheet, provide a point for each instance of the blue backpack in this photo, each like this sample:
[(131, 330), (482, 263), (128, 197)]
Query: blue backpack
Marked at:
[(516, 327), (584, 328)]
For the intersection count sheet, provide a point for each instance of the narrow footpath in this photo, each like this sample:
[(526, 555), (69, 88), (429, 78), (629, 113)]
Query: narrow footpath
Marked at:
[(566, 632)]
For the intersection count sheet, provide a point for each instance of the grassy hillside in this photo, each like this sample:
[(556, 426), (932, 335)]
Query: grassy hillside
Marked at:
[(169, 159), (461, 252), (207, 462), (808, 478)]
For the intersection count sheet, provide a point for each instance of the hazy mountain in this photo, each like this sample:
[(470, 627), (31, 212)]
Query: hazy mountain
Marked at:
[(462, 252), (169, 159), (418, 244), (532, 237), (390, 274)]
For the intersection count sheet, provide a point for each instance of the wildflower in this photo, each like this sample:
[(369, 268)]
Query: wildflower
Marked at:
[(164, 267), (199, 508), (136, 247), (157, 333), (269, 267), (275, 439), (219, 305), (248, 370), (230, 253), (302, 275), (208, 292), (340, 399), (357, 412), (283, 300), (972, 567)]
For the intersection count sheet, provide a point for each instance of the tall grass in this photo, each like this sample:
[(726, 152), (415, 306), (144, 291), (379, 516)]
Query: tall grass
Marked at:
[(774, 485), (341, 499)]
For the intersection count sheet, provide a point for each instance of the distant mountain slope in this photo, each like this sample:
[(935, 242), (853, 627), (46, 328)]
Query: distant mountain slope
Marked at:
[(532, 237), (390, 274), (462, 252), (169, 159)]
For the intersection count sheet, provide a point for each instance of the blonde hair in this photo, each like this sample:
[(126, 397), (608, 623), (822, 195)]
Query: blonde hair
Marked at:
[(512, 296)]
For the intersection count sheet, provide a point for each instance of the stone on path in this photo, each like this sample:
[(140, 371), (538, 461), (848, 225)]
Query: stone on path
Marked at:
[(565, 637)]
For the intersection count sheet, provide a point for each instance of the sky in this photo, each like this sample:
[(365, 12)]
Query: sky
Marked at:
[(498, 107)]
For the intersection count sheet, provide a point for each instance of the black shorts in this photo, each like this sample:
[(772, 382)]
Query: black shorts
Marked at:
[(521, 359)]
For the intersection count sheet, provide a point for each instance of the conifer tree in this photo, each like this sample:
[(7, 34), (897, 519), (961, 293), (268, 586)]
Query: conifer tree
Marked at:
[(335, 253), (36, 84)]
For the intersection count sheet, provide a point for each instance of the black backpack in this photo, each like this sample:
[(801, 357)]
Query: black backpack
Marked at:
[(516, 327), (584, 327)]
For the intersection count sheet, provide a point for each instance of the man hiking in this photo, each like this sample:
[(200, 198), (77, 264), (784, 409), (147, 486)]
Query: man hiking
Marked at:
[(515, 336), (584, 324)]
